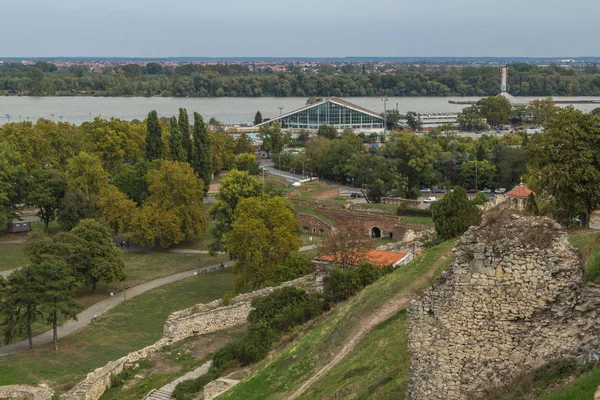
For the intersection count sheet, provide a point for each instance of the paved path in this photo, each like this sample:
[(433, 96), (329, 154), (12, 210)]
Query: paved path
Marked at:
[(84, 318)]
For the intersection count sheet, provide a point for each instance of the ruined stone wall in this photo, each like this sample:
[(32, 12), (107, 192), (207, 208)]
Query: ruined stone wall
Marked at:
[(200, 319), (514, 298), (25, 392), (214, 316)]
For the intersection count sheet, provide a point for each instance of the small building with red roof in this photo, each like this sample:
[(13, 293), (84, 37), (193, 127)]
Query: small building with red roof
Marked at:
[(517, 198)]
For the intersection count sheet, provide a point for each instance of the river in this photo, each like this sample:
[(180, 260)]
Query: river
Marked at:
[(237, 110)]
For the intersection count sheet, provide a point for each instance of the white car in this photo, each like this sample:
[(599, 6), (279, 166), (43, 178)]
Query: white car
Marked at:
[(430, 200), (296, 184), (500, 191)]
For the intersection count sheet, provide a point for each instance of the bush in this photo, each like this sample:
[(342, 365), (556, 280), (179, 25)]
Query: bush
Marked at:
[(227, 298), (404, 210), (480, 199), (454, 214), (187, 390), (284, 308), (296, 266), (341, 285), (251, 348)]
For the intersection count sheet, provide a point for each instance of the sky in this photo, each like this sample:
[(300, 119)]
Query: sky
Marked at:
[(299, 28)]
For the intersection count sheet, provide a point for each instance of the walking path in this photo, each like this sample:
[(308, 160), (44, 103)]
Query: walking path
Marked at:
[(85, 317)]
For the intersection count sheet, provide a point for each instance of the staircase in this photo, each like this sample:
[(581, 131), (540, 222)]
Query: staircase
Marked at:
[(158, 394)]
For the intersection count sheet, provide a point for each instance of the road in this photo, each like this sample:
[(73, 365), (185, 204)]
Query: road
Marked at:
[(85, 317), (270, 167)]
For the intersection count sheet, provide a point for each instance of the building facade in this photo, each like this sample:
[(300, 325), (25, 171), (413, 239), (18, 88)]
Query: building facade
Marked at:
[(331, 111)]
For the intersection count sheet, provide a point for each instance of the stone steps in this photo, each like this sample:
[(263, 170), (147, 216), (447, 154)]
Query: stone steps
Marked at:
[(158, 395)]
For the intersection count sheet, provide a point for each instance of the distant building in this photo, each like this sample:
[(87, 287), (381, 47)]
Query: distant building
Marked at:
[(332, 111), (517, 198), (16, 226)]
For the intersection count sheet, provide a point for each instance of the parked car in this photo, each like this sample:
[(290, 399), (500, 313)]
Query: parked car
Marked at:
[(471, 191), (438, 190), (430, 200), (356, 195), (500, 191), (425, 190), (486, 191)]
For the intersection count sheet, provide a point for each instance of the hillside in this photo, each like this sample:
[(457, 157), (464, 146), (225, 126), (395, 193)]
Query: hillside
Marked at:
[(335, 354)]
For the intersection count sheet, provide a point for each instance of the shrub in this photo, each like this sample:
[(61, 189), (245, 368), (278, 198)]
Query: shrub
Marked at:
[(404, 210), (341, 285), (227, 298), (252, 347), (187, 390), (296, 266), (480, 199), (454, 214), (284, 309)]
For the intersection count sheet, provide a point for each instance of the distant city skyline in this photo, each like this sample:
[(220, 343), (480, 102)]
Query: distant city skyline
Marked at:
[(307, 28)]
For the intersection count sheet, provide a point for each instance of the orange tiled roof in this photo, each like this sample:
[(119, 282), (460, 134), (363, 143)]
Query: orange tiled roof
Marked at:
[(521, 191), (378, 258)]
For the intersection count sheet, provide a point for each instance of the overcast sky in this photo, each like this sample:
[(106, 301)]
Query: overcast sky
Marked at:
[(301, 28)]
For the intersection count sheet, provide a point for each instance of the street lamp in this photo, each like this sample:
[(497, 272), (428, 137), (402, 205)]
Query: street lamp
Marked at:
[(303, 167), (385, 100)]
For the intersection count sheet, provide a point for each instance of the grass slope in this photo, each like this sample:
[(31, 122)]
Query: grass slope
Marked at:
[(12, 256), (587, 243), (288, 368), (125, 328)]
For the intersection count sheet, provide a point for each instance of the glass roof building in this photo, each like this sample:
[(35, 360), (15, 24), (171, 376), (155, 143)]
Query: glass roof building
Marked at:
[(330, 111)]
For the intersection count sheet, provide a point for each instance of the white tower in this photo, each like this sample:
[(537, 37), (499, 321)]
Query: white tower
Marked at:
[(504, 77)]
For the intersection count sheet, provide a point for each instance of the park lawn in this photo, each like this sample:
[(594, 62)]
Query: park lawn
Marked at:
[(128, 327), (276, 182), (296, 362), (53, 226), (12, 256), (587, 243), (140, 268)]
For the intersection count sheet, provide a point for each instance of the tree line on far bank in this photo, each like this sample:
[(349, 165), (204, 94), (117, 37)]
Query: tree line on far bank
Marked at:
[(233, 80)]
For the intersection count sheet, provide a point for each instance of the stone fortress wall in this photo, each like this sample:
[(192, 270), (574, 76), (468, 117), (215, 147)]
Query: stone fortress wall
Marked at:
[(196, 320), (514, 298)]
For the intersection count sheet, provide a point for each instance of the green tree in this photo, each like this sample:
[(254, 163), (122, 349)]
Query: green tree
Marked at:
[(542, 111), (174, 208), (57, 287), (375, 190), (45, 191), (154, 142), (202, 152), (116, 209), (74, 207), (272, 138), (222, 148), (86, 175), (176, 145), (93, 254), (414, 157), (413, 120), (184, 128), (247, 162), (235, 186), (327, 131), (258, 119), (12, 172), (454, 214), (477, 174), (262, 237), (132, 179), (470, 120), (497, 110), (243, 144), (564, 161), (21, 304), (595, 111)]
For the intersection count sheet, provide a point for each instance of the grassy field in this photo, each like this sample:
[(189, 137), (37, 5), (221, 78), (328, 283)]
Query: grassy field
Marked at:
[(583, 388), (311, 211), (427, 221), (276, 182), (296, 362), (12, 256), (140, 268), (587, 243), (125, 328)]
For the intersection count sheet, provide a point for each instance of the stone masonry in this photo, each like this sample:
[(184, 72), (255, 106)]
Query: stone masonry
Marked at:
[(514, 298), (25, 392), (197, 320)]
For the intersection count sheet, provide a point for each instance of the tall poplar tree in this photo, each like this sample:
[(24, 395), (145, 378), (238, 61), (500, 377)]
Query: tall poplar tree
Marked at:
[(154, 144), (176, 146), (202, 162), (184, 127)]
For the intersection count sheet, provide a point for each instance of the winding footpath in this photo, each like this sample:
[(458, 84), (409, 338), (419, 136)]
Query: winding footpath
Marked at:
[(85, 317)]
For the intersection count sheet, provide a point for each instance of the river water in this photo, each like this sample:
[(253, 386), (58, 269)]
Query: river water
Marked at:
[(238, 110)]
